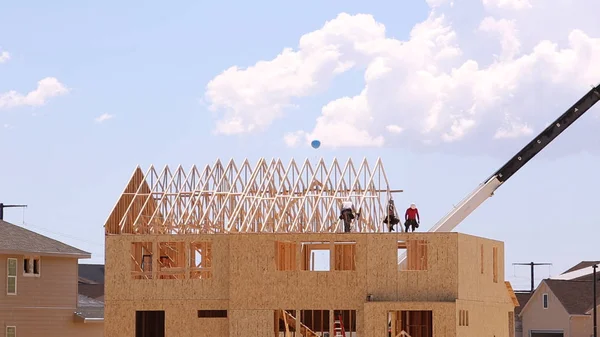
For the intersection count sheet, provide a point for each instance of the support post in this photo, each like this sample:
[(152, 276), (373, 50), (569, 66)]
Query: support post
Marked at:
[(595, 304), (532, 277), (532, 266)]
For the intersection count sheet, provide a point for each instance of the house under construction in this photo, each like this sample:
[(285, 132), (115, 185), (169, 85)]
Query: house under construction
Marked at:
[(242, 250)]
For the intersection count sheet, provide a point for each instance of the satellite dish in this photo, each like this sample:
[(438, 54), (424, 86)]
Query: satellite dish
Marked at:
[(315, 144)]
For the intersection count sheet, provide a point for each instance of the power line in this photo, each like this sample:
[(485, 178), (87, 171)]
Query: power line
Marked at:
[(62, 234), (532, 265)]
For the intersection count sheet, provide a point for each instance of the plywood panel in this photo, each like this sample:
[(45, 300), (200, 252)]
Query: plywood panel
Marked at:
[(245, 279)]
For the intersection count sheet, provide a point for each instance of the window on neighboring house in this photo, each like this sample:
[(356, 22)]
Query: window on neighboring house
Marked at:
[(11, 331), (11, 282), (545, 301), (31, 266)]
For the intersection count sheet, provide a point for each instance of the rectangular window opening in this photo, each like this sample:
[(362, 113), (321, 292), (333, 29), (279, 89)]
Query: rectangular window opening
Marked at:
[(413, 323), (212, 313), (412, 255), (285, 323), (315, 321), (495, 264), (11, 278), (171, 260), (316, 256), (11, 331), (463, 318), (345, 255), (545, 301), (285, 255), (201, 260), (150, 323), (346, 320), (141, 260), (482, 258), (31, 266), (511, 324)]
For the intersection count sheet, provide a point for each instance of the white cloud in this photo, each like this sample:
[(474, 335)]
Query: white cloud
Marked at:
[(47, 88), (393, 128), (508, 4), (440, 87), (4, 56), (292, 139), (103, 118)]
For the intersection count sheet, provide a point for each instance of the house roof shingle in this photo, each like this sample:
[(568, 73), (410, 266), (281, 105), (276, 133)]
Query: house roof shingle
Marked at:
[(19, 239), (91, 273), (581, 265), (523, 298), (89, 308), (576, 296), (91, 290)]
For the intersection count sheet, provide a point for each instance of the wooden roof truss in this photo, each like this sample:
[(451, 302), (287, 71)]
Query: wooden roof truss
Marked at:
[(269, 197)]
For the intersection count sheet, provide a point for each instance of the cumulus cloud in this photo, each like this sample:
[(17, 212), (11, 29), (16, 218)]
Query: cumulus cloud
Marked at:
[(103, 118), (47, 88), (440, 87), (4, 56), (508, 4)]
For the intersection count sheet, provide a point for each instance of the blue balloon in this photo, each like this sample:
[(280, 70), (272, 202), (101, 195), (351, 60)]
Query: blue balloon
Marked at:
[(315, 144)]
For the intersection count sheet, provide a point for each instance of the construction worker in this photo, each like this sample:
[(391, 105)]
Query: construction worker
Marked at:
[(347, 214), (391, 219), (411, 218)]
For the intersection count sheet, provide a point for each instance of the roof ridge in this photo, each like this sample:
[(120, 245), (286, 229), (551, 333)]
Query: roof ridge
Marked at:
[(21, 239)]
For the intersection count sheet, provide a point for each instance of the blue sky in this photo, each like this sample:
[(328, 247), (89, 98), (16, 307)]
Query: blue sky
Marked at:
[(148, 66)]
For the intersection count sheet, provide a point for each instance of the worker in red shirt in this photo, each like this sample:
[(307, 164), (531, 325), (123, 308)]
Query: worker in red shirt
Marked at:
[(411, 218)]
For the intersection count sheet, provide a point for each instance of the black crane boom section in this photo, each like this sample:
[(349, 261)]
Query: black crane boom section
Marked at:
[(545, 137)]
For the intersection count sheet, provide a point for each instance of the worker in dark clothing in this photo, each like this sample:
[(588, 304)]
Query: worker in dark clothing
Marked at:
[(347, 214), (411, 218), (391, 219)]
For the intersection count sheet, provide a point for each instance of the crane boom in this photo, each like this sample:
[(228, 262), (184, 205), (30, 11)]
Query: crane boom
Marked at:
[(537, 144), (486, 189)]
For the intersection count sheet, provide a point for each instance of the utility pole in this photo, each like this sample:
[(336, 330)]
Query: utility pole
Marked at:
[(2, 206), (595, 315), (532, 265)]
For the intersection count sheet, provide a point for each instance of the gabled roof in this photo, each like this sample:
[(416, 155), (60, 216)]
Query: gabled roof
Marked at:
[(575, 296), (583, 274), (523, 298), (581, 265), (21, 240), (91, 273), (91, 290), (511, 294)]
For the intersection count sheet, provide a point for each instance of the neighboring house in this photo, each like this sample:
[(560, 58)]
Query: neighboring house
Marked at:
[(38, 282), (583, 271), (559, 308), (91, 281), (522, 297)]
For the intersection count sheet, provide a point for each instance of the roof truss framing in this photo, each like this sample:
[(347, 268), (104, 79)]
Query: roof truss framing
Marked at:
[(269, 197)]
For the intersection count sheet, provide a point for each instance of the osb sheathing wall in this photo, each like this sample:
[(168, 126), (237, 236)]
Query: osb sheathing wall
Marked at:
[(484, 319), (476, 269), (245, 281), (482, 292)]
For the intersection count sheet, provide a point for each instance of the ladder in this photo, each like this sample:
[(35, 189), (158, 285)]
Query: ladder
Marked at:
[(338, 327)]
